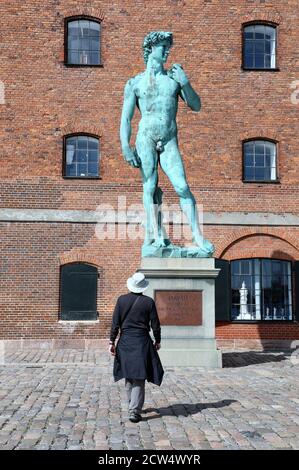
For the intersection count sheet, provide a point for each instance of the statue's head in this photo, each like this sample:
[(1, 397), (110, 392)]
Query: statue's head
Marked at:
[(157, 43)]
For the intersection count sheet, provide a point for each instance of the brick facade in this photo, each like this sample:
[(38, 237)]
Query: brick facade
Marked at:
[(46, 100)]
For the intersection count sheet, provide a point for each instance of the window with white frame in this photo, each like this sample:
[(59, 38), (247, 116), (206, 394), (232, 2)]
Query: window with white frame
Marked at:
[(259, 160), (82, 42), (261, 289), (81, 156), (259, 46)]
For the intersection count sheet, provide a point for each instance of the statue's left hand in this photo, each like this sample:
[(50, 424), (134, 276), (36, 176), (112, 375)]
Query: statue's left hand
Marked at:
[(177, 73)]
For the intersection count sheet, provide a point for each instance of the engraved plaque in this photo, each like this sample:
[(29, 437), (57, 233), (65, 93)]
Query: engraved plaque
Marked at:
[(179, 307)]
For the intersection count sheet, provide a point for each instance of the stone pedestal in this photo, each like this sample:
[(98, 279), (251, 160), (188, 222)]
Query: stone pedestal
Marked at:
[(184, 291)]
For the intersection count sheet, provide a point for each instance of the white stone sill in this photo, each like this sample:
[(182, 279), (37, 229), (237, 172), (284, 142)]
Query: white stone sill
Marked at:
[(86, 322)]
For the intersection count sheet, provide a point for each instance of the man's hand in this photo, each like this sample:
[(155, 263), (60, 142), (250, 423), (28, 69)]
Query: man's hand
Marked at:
[(158, 346), (112, 349), (131, 157), (177, 73)]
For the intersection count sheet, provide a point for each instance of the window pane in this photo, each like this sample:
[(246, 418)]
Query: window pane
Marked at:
[(259, 47), (73, 43), (249, 159), (273, 47), (267, 61), (83, 28), (82, 156), (71, 141), (94, 58), (249, 32), (267, 47), (71, 170), (259, 173), (94, 44), (70, 153), (73, 28), (276, 285), (249, 173), (259, 160), (269, 147), (236, 295), (235, 267), (277, 267), (84, 57), (82, 142), (92, 155), (93, 143), (235, 312), (246, 266), (268, 159), (270, 32), (268, 174), (94, 29), (72, 57), (243, 293), (84, 44), (249, 60), (82, 169), (249, 47), (93, 169), (259, 61), (266, 267), (249, 147), (259, 30), (259, 147)]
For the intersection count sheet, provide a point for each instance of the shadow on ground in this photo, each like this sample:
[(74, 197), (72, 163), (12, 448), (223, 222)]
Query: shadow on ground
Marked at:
[(184, 409), (246, 358)]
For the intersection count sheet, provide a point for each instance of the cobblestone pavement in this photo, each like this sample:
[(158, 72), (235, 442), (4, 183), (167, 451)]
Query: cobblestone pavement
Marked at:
[(67, 399)]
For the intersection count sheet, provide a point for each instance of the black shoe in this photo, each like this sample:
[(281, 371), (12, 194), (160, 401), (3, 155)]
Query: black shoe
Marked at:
[(135, 417)]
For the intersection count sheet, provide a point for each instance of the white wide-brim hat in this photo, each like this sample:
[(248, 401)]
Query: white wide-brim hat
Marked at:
[(137, 283)]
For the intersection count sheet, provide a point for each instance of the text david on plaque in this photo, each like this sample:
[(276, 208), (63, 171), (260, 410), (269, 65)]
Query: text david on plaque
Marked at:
[(179, 307)]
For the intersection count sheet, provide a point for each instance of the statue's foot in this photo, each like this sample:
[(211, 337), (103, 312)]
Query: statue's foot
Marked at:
[(205, 246), (161, 242), (148, 241)]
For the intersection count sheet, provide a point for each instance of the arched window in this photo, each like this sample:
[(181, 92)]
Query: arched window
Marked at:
[(78, 292), (259, 160), (261, 289), (82, 41), (259, 46), (81, 156)]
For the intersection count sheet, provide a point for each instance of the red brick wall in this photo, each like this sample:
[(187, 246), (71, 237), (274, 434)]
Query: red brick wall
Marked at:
[(257, 331), (31, 256), (46, 100)]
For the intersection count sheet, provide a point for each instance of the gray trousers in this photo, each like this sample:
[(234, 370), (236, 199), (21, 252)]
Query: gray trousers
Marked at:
[(135, 393)]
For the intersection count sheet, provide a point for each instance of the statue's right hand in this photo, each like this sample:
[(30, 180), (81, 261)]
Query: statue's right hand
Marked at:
[(131, 157)]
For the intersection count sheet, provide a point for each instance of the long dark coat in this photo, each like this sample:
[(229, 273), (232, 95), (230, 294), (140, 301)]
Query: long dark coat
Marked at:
[(136, 356)]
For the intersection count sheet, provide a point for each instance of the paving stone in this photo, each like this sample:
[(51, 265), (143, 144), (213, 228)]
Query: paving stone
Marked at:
[(67, 399)]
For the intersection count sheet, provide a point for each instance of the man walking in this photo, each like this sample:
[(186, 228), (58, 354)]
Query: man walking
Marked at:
[(135, 355)]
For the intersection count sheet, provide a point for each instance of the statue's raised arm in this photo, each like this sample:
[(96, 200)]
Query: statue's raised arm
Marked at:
[(187, 93)]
